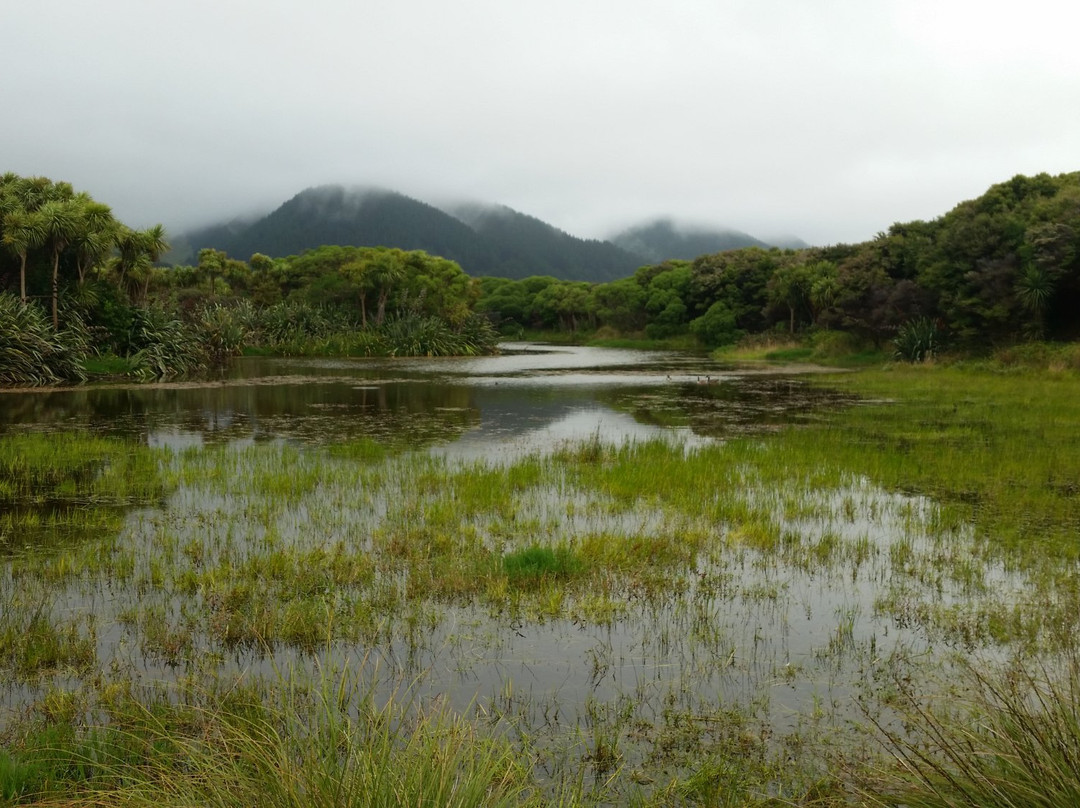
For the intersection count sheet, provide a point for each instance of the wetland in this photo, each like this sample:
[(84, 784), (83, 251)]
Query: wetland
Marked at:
[(565, 575)]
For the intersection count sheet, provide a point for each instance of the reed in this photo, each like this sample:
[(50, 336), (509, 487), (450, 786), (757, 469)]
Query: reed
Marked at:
[(1008, 737)]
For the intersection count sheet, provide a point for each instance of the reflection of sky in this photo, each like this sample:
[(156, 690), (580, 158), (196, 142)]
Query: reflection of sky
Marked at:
[(612, 427), (528, 398), (524, 358), (175, 439)]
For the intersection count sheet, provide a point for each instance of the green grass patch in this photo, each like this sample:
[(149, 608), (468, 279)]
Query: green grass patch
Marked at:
[(108, 365), (296, 741), (533, 565), (797, 354), (1003, 738), (996, 448)]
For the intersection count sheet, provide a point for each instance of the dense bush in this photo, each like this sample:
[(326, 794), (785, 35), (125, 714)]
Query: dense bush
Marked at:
[(167, 347), (220, 332), (31, 352), (917, 341), (413, 334), (716, 326)]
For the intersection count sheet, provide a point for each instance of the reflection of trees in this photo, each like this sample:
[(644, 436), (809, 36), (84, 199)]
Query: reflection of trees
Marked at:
[(726, 408), (405, 404), (308, 409)]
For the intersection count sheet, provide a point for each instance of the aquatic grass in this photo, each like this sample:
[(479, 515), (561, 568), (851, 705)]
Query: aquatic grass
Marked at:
[(532, 565), (996, 450), (299, 740), (691, 581), (33, 642), (74, 467), (61, 490), (1010, 737)]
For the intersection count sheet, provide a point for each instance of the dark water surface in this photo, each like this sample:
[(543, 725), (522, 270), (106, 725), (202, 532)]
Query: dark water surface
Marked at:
[(529, 397)]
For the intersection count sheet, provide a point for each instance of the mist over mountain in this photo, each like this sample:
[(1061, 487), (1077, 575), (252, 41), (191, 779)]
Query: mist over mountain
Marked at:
[(524, 246), (483, 239), (333, 214), (662, 239)]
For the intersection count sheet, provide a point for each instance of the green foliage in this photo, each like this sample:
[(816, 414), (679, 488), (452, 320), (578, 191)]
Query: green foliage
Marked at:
[(716, 326), (220, 332), (32, 352), (667, 289), (917, 340), (412, 334), (167, 346), (1012, 739), (994, 269), (289, 322)]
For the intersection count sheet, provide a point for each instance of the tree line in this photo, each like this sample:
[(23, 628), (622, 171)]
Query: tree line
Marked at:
[(76, 283), (57, 236), (1000, 268), (78, 288)]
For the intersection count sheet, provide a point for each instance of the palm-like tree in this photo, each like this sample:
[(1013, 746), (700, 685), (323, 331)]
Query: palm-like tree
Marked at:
[(61, 221), (95, 238), (139, 250), (22, 232), (386, 269), (358, 272)]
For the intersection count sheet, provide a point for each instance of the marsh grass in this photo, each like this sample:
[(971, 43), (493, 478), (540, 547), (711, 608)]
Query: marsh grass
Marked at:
[(33, 643), (533, 565), (43, 468), (1010, 737), (714, 606), (997, 450), (300, 739)]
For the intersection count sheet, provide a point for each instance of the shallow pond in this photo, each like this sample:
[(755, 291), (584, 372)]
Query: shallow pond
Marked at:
[(685, 610), (523, 399)]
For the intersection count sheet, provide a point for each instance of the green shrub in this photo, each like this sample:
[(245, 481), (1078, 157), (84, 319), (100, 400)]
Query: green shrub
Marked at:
[(31, 352), (167, 347), (220, 331), (833, 344), (413, 334), (716, 326), (1040, 355), (917, 340)]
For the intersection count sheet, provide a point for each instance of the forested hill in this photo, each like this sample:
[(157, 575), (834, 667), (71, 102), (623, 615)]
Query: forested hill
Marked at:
[(664, 239), (524, 246), (492, 241), (332, 214), (995, 270)]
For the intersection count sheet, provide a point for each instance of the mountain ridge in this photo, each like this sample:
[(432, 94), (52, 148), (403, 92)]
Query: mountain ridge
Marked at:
[(485, 239)]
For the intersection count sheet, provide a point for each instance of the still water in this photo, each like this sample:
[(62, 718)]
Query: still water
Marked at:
[(531, 397), (775, 634)]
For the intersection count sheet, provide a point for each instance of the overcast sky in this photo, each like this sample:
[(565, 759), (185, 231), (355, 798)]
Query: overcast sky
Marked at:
[(826, 119)]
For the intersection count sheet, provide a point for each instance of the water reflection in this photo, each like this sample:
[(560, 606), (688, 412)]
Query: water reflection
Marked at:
[(529, 397)]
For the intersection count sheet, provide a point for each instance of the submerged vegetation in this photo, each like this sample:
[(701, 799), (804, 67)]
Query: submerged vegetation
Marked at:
[(350, 623)]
